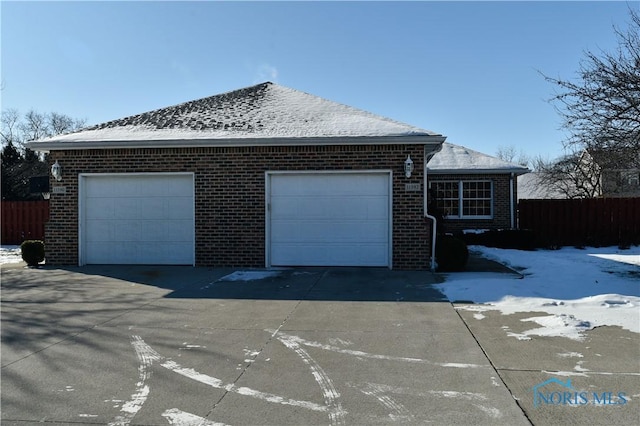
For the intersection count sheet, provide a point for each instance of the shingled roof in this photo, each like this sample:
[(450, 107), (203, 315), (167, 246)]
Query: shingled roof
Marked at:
[(264, 114), (459, 160)]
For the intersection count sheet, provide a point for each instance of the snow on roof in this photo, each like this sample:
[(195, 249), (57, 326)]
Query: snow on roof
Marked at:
[(459, 159), (255, 115), (531, 186)]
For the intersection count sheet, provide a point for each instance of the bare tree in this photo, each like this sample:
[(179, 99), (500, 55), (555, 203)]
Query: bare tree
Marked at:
[(601, 108), (9, 121), (511, 154), (572, 175), (61, 123), (19, 163), (34, 125)]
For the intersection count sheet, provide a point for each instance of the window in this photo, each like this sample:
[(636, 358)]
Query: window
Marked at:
[(464, 199)]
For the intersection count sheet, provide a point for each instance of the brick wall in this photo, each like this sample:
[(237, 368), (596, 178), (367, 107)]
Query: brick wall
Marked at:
[(230, 195), (501, 203)]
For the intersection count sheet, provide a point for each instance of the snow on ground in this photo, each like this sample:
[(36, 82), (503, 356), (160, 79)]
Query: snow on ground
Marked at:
[(249, 275), (10, 254), (579, 289)]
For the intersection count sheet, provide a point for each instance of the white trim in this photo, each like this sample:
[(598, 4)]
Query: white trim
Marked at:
[(516, 171), (511, 200), (81, 198), (461, 199), (268, 174), (64, 145)]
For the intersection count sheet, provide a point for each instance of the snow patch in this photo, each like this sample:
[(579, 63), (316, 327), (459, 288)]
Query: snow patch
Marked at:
[(250, 275), (570, 355), (474, 231), (579, 289), (631, 259), (10, 254)]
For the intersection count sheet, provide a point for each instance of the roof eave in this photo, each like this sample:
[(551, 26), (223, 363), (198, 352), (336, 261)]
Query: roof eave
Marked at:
[(47, 146), (516, 171)]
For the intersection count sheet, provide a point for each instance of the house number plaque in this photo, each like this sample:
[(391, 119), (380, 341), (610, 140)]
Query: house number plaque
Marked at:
[(59, 190), (412, 187)]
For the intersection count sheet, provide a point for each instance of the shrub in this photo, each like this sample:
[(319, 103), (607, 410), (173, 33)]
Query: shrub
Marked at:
[(451, 253), (32, 252)]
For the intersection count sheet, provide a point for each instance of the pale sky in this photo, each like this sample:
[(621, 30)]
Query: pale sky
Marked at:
[(468, 70)]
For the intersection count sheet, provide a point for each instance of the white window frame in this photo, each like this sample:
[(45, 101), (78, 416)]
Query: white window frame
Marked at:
[(461, 199)]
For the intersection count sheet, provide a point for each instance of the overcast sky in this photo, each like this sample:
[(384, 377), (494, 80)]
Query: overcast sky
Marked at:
[(468, 70)]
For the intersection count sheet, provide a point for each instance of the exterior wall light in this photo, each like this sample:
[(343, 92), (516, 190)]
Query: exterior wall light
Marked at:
[(56, 171), (408, 166)]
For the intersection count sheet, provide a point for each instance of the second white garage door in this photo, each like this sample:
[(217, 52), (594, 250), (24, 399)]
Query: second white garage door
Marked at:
[(137, 219), (329, 219)]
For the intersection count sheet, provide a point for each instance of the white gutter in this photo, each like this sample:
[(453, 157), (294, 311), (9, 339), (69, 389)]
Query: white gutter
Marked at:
[(79, 141), (511, 201), (426, 204)]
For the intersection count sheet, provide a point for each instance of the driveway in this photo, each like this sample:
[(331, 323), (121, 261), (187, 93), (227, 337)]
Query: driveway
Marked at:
[(185, 346)]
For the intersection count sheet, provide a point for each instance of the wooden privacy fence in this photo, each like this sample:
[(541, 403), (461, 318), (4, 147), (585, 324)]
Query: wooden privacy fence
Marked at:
[(23, 220), (582, 222)]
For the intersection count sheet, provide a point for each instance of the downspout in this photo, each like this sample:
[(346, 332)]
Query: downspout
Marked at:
[(511, 205), (426, 210)]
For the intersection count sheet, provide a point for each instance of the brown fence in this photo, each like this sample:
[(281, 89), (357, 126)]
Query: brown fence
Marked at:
[(582, 222), (23, 220)]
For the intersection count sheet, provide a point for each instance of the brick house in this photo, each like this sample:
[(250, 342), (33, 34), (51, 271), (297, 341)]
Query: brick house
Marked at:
[(472, 190), (258, 177), (261, 176)]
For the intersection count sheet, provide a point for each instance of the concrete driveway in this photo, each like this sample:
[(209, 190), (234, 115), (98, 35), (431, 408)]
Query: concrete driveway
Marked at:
[(186, 346)]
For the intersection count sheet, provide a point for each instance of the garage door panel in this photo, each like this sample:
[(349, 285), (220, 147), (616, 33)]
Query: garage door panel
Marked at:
[(284, 207), (153, 208), (184, 186), (340, 232), (125, 208), (100, 208), (138, 219), (102, 230), (329, 219), (126, 231), (175, 208), (96, 251), (179, 228), (154, 231), (334, 255)]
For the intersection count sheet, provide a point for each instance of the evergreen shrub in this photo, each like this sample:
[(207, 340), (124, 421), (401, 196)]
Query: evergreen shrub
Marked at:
[(32, 252), (451, 253)]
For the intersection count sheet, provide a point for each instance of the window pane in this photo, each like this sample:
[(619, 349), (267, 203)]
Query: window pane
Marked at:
[(447, 198), (476, 198)]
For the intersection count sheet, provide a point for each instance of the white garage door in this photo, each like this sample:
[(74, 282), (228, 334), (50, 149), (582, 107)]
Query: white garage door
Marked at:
[(329, 219), (137, 219)]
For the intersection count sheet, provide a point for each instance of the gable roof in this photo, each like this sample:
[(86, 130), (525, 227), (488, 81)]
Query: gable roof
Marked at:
[(264, 114), (532, 186), (461, 160)]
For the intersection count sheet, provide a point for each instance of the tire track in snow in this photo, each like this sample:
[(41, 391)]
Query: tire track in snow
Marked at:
[(361, 354), (329, 392), (398, 411), (146, 356), (177, 417), (473, 397), (218, 384)]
